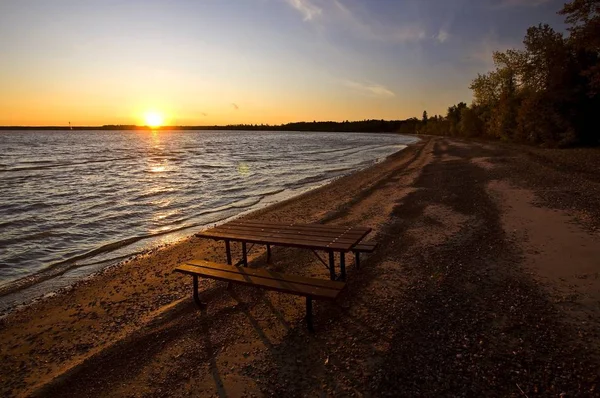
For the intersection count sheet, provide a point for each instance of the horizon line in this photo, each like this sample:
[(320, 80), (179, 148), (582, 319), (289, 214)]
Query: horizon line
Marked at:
[(168, 127)]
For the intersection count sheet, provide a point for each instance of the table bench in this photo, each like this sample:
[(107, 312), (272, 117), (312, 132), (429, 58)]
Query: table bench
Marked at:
[(363, 247), (310, 288)]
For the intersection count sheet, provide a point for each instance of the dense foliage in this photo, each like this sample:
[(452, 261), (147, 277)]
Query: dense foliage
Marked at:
[(361, 126), (546, 93)]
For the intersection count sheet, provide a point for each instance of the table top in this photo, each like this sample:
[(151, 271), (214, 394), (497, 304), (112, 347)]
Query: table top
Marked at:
[(309, 236)]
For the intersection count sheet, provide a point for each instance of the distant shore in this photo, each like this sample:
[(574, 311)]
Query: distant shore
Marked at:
[(483, 281), (362, 126)]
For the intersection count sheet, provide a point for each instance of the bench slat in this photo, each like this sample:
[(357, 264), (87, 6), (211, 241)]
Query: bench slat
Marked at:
[(297, 230), (274, 241), (365, 247), (264, 273), (311, 227), (243, 229), (268, 233), (265, 283)]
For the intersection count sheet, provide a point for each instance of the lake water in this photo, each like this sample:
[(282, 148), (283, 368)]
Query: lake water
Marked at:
[(74, 201)]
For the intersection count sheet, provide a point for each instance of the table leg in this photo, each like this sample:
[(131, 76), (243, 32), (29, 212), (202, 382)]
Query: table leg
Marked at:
[(268, 254), (343, 266), (244, 257), (228, 251), (331, 265), (196, 297)]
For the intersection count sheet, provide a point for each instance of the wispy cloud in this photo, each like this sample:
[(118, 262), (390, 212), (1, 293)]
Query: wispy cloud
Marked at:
[(442, 36), (518, 3), (373, 30), (335, 14), (235, 106), (307, 8), (370, 89), (483, 51), (407, 33)]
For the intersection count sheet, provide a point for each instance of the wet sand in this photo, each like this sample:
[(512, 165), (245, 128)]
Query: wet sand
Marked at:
[(485, 283)]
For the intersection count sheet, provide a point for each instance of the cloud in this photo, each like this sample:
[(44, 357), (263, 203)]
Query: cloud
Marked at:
[(442, 36), (203, 114), (371, 29), (370, 89), (335, 14), (519, 3), (306, 8), (412, 32), (235, 106), (483, 51)]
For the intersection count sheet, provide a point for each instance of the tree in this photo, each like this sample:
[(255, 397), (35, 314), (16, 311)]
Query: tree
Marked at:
[(547, 93), (552, 78), (453, 118), (470, 123), (485, 89), (584, 16)]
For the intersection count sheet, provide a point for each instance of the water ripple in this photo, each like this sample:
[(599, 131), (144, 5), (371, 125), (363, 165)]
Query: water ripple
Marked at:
[(74, 198)]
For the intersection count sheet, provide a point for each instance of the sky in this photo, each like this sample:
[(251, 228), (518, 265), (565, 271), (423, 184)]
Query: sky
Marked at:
[(206, 62)]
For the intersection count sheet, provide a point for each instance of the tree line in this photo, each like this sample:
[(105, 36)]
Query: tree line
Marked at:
[(360, 126), (548, 93)]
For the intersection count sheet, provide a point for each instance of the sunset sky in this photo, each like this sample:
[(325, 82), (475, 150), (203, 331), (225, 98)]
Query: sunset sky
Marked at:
[(204, 62)]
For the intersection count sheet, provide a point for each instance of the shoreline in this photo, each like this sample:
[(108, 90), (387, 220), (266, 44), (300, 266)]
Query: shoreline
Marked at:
[(106, 293), (457, 286), (35, 282), (30, 289)]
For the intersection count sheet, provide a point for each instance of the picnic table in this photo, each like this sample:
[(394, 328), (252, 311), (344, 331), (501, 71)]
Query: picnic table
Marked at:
[(315, 237)]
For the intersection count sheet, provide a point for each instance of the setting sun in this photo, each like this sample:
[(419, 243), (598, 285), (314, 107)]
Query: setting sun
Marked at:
[(153, 119)]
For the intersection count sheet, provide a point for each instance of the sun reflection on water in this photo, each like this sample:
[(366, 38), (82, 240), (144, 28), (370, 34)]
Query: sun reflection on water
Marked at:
[(160, 168), (156, 185), (163, 215), (243, 169)]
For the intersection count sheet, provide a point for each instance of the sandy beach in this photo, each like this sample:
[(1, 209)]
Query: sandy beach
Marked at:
[(485, 283)]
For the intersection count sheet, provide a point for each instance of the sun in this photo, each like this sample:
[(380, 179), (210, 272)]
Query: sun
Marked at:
[(154, 119)]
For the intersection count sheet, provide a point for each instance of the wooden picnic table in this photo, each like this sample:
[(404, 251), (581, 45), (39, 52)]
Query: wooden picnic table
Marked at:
[(315, 237)]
